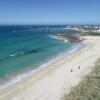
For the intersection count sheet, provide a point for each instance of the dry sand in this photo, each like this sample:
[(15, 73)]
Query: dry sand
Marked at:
[(53, 81)]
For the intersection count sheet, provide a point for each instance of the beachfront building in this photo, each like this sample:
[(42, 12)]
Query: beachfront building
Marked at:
[(98, 31)]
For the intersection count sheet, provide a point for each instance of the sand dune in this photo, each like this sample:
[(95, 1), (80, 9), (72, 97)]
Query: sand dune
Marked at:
[(52, 82)]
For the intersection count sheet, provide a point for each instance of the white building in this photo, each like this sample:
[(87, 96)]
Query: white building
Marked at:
[(98, 30)]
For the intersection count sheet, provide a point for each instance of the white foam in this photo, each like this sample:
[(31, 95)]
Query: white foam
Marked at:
[(55, 37), (66, 41), (13, 55)]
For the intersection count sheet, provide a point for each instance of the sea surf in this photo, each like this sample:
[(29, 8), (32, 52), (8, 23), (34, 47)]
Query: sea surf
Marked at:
[(27, 49)]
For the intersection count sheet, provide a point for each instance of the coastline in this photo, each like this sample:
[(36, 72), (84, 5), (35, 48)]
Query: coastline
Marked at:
[(42, 66), (51, 81)]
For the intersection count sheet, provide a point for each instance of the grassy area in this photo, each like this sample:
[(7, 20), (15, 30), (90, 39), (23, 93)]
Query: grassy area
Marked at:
[(91, 33), (89, 88), (94, 33)]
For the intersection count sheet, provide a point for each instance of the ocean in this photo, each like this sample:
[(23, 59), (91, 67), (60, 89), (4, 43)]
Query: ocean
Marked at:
[(26, 47)]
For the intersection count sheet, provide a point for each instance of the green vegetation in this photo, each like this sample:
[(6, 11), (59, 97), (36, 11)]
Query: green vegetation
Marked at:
[(89, 88), (94, 34), (90, 33)]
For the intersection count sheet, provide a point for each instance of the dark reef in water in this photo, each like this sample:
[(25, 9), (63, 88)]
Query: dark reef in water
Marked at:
[(74, 38)]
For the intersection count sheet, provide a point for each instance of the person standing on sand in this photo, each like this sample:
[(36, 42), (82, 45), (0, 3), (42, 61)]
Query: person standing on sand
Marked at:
[(79, 67), (71, 70)]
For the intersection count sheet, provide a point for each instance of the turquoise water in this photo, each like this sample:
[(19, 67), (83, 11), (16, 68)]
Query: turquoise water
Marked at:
[(27, 47)]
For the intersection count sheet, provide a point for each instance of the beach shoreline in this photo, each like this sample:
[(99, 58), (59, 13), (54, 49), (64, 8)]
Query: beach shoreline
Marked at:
[(42, 66), (56, 75)]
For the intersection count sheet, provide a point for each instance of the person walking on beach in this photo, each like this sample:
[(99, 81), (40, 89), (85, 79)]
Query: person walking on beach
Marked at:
[(71, 70), (78, 67)]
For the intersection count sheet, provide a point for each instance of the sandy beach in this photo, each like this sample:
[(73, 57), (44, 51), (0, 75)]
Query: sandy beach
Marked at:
[(52, 82)]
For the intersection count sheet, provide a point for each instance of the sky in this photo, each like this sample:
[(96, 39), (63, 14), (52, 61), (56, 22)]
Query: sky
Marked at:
[(49, 11)]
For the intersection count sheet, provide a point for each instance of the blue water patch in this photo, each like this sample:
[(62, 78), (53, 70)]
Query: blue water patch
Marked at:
[(25, 46)]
